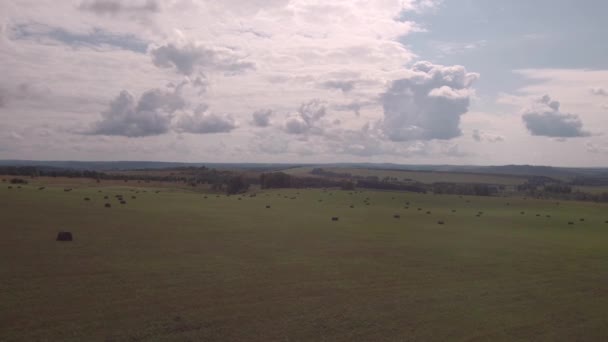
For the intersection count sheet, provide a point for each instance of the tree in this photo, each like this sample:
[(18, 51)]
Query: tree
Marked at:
[(236, 185)]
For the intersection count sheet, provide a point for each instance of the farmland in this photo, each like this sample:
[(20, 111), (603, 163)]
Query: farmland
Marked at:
[(418, 176), (172, 264)]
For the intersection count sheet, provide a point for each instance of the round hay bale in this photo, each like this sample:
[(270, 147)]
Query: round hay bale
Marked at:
[(41, 188), (419, 209), (10, 187), (453, 210), (396, 216), (64, 236), (107, 205), (440, 222), (105, 197), (428, 213), (334, 218), (582, 220), (522, 212), (267, 207), (352, 206), (537, 215), (87, 199)]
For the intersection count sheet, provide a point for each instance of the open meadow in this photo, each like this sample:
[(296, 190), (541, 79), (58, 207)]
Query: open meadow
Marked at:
[(170, 265)]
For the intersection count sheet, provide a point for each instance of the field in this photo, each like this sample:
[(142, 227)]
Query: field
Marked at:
[(176, 266), (427, 177)]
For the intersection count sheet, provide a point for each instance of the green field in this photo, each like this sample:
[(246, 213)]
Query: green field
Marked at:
[(427, 177), (174, 266)]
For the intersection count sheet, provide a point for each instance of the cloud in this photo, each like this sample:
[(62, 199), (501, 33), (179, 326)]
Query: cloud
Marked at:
[(150, 115), (599, 91), (480, 136), (114, 7), (261, 118), (306, 119), (543, 118), (354, 106), (203, 122), (428, 103), (95, 38), (188, 58), (345, 86)]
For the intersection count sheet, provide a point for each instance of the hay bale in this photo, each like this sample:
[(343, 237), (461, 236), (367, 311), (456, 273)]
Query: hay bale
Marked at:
[(87, 199), (396, 216), (428, 212), (105, 197), (267, 207), (440, 222), (537, 215), (334, 218), (419, 209), (548, 216), (570, 222), (133, 197), (522, 212), (352, 206), (41, 188), (107, 205), (453, 210), (64, 236), (10, 187), (582, 220)]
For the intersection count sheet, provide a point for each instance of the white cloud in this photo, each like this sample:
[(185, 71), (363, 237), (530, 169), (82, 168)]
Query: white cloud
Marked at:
[(481, 136), (188, 58), (204, 122), (114, 7), (261, 118), (427, 104), (543, 118), (599, 91), (307, 118), (150, 115)]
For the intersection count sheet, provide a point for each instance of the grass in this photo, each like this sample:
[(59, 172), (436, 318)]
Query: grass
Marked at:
[(175, 266)]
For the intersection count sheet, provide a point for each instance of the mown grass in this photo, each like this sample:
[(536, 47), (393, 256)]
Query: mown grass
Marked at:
[(176, 266)]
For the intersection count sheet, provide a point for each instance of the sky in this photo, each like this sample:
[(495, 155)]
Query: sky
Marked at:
[(305, 81)]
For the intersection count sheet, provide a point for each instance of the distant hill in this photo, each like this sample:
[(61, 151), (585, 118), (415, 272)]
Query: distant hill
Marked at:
[(518, 170)]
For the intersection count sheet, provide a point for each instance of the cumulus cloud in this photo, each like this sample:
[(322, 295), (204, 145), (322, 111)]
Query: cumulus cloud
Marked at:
[(480, 136), (544, 118), (599, 91), (261, 118), (190, 57), (428, 103), (150, 115), (204, 122), (306, 119), (113, 7)]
